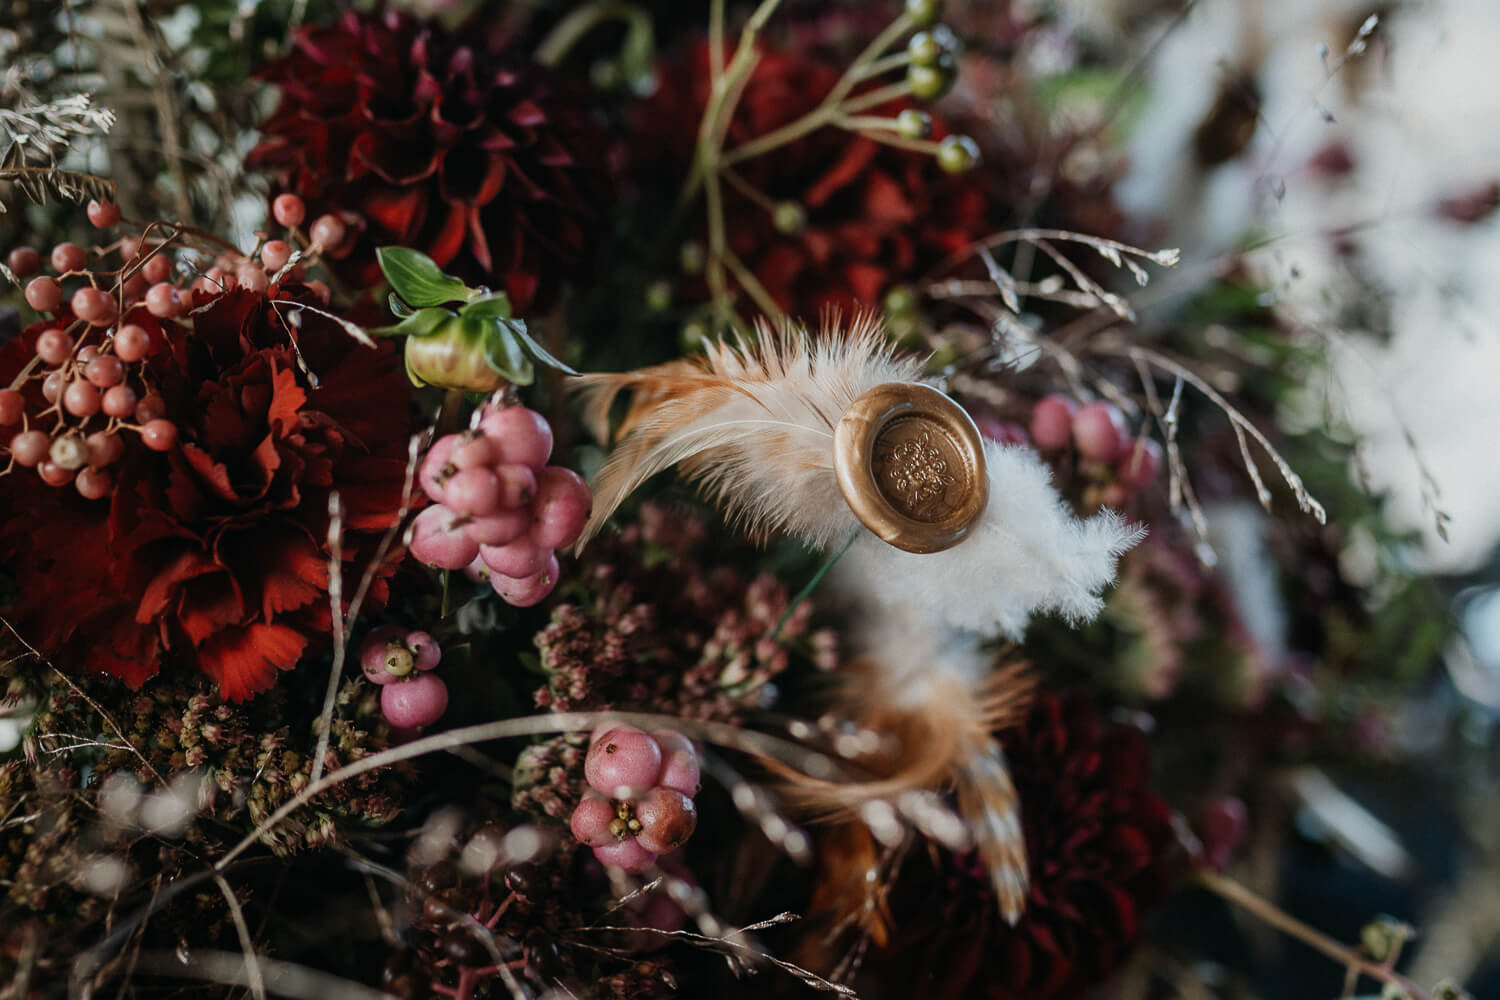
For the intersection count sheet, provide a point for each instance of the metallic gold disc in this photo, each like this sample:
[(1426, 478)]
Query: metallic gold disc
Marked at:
[(910, 463)]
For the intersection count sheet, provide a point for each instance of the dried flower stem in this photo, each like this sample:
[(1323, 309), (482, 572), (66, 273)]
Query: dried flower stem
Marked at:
[(257, 981)]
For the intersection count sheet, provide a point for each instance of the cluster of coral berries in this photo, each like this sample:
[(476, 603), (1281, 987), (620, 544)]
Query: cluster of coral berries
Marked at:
[(401, 661), (499, 510), (640, 799)]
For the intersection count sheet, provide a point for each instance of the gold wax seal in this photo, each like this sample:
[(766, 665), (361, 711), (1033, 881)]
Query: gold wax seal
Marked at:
[(910, 463)]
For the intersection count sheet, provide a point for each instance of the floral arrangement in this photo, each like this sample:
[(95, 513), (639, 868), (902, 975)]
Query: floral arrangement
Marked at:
[(360, 640)]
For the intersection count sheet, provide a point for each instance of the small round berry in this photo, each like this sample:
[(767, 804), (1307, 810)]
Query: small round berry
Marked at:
[(275, 254), (53, 386), (104, 448), (518, 560), (622, 758), (471, 449), (1140, 461), (1052, 422), (928, 83), (54, 475), (375, 652), (518, 485), (54, 346), (93, 306), (924, 13), (132, 342), (69, 257), (150, 408), (252, 277), (320, 290), (288, 210), (104, 370), (913, 124), (103, 214), (528, 591), (163, 300), (130, 248), (680, 770), (12, 407), (216, 280), (425, 650), (135, 286), (81, 398), (562, 507), (68, 452), (328, 232), (628, 855), (94, 484), (926, 47), (157, 269), (437, 467), (591, 820), (438, 539), (25, 261), (86, 353), (668, 818), (159, 434), (957, 153), (788, 218), (498, 529), (691, 257), (119, 402), (418, 701), (1098, 432), (29, 448), (44, 294), (473, 492), (520, 436), (1220, 825)]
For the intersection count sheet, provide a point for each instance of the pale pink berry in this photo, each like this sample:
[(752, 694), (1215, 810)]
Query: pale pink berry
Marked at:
[(132, 342), (1098, 432), (12, 407), (622, 760), (418, 701), (104, 371), (53, 474), (81, 398), (562, 507), (94, 484), (520, 436), (1052, 422), (438, 539), (93, 306), (477, 570), (150, 408), (379, 652), (275, 254), (105, 448), (518, 485), (158, 434), (320, 291), (499, 528), (252, 277), (628, 855), (163, 300), (29, 448), (288, 210), (473, 492), (518, 559), (425, 649), (69, 257), (157, 269), (53, 386), (54, 346), (86, 354), (437, 467), (527, 591), (668, 818), (328, 232), (679, 768), (591, 820), (103, 213), (25, 261), (471, 449), (43, 294), (119, 402), (1140, 461)]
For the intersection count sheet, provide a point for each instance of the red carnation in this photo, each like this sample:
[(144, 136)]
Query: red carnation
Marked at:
[(1097, 842), (876, 216), (213, 554), (476, 159)]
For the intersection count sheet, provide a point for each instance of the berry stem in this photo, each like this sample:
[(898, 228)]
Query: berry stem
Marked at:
[(880, 135)]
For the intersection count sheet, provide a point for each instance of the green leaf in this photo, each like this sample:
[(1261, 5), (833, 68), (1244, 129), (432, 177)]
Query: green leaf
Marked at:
[(418, 324), (418, 280), (401, 309), (504, 353), (537, 351), (495, 305)]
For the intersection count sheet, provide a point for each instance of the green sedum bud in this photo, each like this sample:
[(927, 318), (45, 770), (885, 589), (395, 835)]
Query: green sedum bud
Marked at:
[(927, 48), (913, 124), (924, 13), (928, 83), (789, 218), (957, 153)]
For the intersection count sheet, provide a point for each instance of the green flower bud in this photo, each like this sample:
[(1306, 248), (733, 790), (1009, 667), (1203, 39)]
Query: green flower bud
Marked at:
[(914, 124), (928, 83), (927, 48), (789, 218), (452, 356), (924, 13), (957, 153)]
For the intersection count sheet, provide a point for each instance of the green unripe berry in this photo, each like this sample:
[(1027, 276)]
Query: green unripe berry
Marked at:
[(957, 153), (694, 336), (691, 257), (659, 296), (904, 331), (927, 48), (928, 83), (789, 218), (924, 13), (398, 660), (900, 300), (913, 124)]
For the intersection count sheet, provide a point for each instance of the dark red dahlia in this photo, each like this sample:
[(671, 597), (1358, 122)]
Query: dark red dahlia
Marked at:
[(876, 216), (213, 554), (1097, 841), (478, 159)]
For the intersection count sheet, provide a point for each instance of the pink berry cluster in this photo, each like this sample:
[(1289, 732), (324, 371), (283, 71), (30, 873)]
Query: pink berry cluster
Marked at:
[(499, 510), (1118, 465), (401, 661), (640, 799)]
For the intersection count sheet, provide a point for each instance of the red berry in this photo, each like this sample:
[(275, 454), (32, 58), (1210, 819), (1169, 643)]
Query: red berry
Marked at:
[(53, 474), (81, 398), (591, 820), (623, 758), (44, 294), (149, 409), (119, 402), (1220, 825), (104, 448), (54, 346), (69, 257), (157, 269), (104, 370), (162, 300), (288, 210), (1098, 431), (103, 213), (158, 434), (94, 484), (328, 232), (320, 290), (93, 306), (1052, 422), (417, 701), (130, 248), (668, 818), (134, 287), (30, 447), (275, 254), (132, 342), (12, 407), (25, 261), (1140, 461), (252, 277)]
